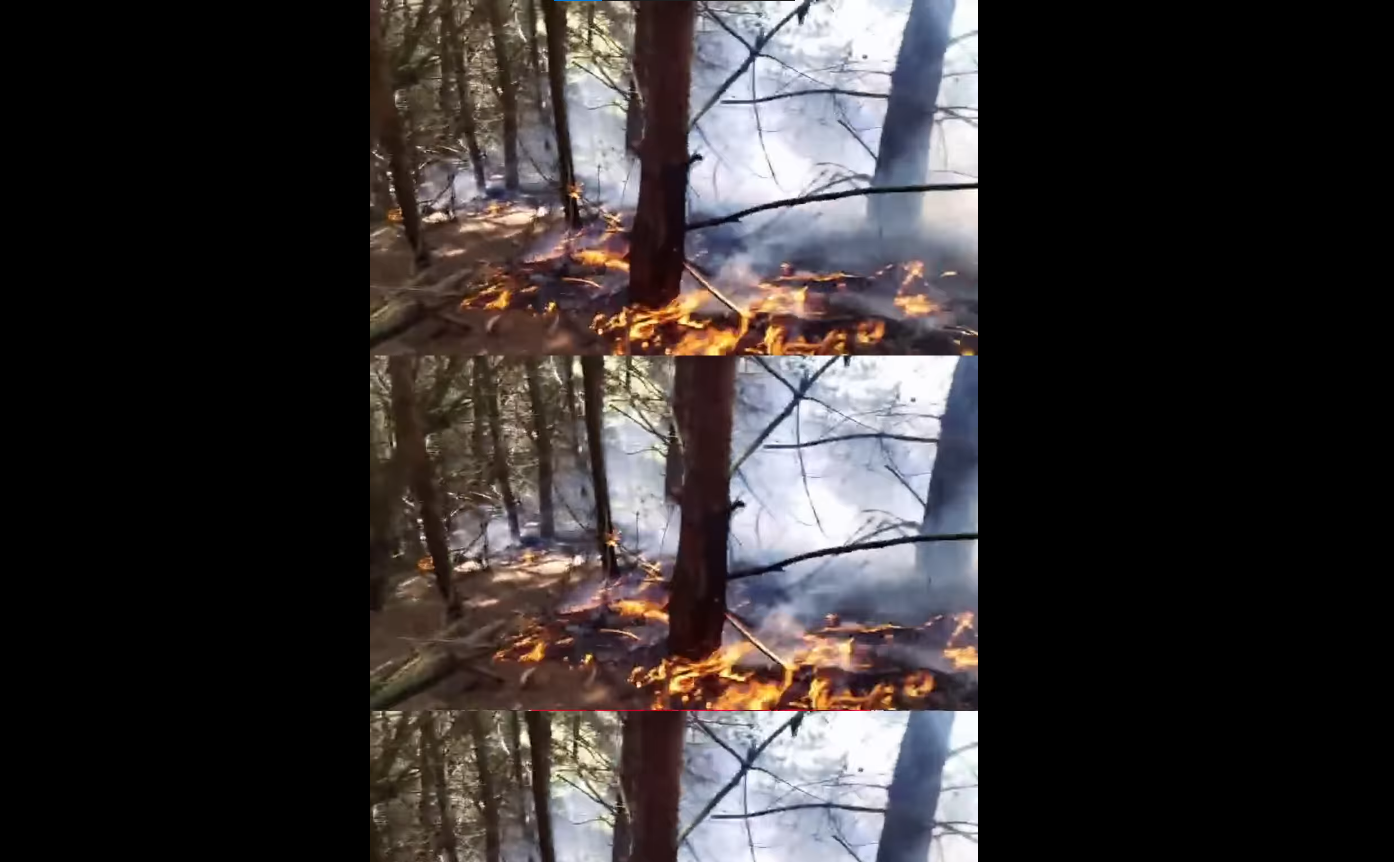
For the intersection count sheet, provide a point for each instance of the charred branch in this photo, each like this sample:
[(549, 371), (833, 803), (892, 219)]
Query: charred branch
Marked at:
[(847, 549), (831, 196)]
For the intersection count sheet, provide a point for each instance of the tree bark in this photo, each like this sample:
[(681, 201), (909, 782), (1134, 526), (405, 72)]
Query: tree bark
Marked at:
[(672, 467), (540, 746), (653, 784), (914, 792), (501, 478), (633, 120), (455, 64), (556, 76), (445, 815), (949, 569), (411, 443), (508, 94), (704, 395), (543, 434), (534, 57), (488, 797), (592, 385), (663, 61), (387, 129), (902, 158)]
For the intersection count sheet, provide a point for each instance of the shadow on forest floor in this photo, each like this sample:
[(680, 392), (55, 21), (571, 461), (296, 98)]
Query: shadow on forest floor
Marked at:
[(510, 589)]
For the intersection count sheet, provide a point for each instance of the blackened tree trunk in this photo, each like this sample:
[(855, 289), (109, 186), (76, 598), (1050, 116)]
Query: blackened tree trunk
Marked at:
[(501, 478), (704, 401), (540, 747), (453, 65), (508, 93), (949, 569), (488, 797), (672, 467), (387, 129), (515, 739), (914, 792), (411, 444), (445, 815), (663, 60), (543, 435), (652, 785), (633, 120), (556, 76), (902, 158), (592, 385)]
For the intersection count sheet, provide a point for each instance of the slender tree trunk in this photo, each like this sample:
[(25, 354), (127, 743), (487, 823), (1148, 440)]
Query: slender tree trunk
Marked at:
[(375, 851), (387, 128), (464, 120), (592, 383), (556, 74), (491, 405), (568, 382), (629, 776), (508, 94), (704, 396), (380, 539), (951, 506), (590, 28), (902, 158), (653, 786), (543, 434), (663, 59), (488, 796), (540, 745), (411, 443), (520, 786), (534, 58), (424, 776), (445, 815), (914, 791), (478, 449)]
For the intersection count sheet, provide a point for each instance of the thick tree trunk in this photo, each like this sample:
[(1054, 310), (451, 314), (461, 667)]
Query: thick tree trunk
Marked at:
[(445, 815), (902, 158), (653, 785), (543, 434), (520, 786), (501, 478), (556, 76), (704, 396), (914, 792), (454, 66), (663, 59), (592, 385), (488, 796), (508, 93), (949, 569), (411, 444), (387, 128), (540, 746)]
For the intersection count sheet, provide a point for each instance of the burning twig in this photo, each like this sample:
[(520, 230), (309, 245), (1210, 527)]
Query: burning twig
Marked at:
[(750, 636), (711, 288), (830, 196), (847, 549)]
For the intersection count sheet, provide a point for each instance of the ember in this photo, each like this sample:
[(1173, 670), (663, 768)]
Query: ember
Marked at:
[(895, 309)]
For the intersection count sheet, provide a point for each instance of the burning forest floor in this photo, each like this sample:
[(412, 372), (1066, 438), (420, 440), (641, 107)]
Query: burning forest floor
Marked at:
[(557, 635), (550, 291)]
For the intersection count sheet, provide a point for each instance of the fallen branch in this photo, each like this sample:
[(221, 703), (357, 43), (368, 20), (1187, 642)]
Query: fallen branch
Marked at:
[(431, 663), (830, 196), (847, 549), (744, 629), (853, 437)]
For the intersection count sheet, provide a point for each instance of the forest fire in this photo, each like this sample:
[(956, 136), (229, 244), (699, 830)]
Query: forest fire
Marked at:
[(896, 308), (839, 666)]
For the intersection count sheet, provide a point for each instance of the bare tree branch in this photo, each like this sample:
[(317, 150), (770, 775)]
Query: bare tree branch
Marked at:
[(828, 91), (797, 807), (800, 11), (847, 549), (746, 764), (830, 196), (880, 435)]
